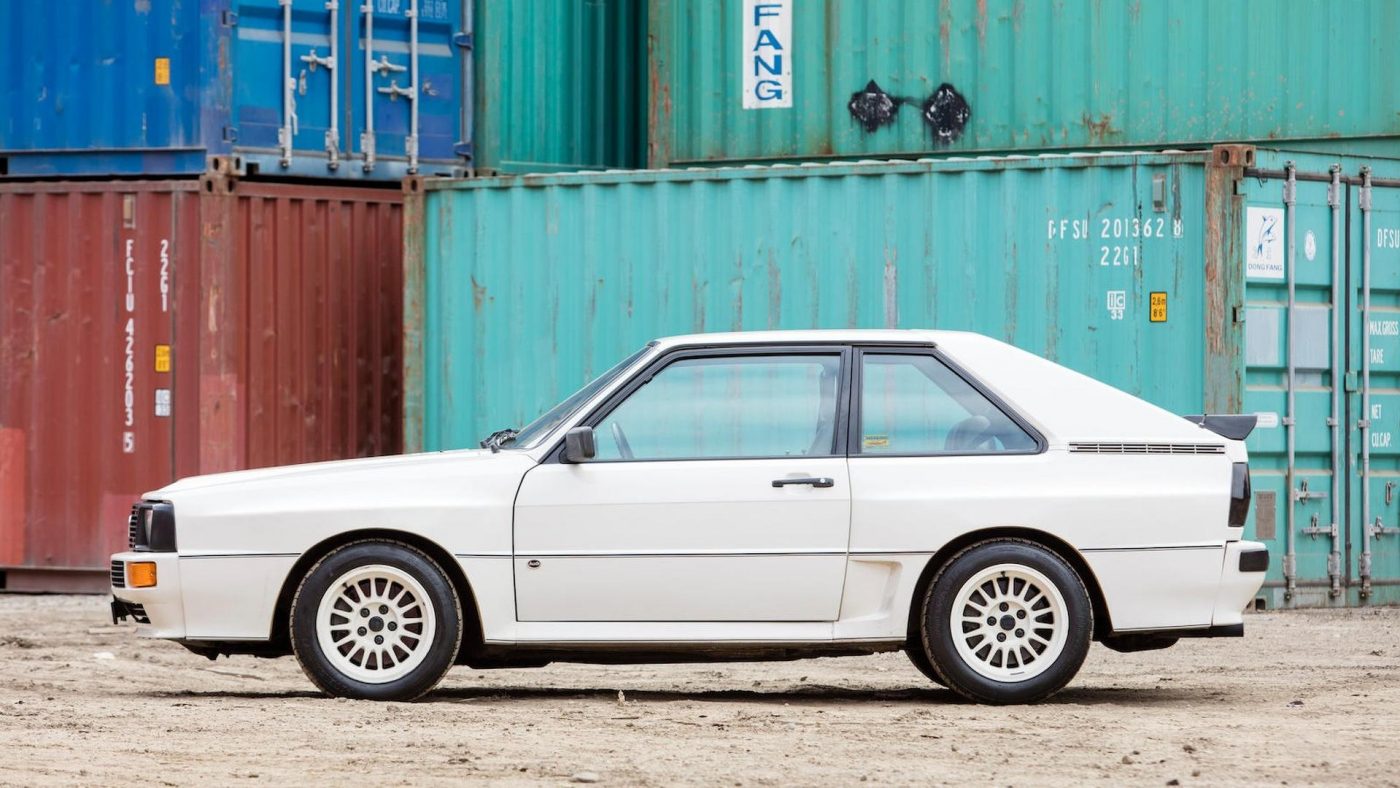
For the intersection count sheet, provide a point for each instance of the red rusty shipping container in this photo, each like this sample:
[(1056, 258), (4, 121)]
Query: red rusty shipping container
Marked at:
[(157, 329)]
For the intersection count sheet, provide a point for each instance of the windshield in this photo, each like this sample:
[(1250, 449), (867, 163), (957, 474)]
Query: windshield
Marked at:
[(560, 413)]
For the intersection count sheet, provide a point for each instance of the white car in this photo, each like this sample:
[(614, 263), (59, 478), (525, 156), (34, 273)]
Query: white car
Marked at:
[(746, 496)]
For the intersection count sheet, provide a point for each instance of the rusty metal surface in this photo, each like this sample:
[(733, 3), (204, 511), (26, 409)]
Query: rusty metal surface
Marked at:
[(281, 309)]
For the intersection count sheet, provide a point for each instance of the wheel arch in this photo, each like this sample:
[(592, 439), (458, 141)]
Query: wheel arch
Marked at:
[(471, 616), (1103, 624)]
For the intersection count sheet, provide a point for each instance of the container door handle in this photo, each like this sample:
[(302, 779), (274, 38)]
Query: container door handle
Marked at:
[(329, 63), (367, 136), (815, 481)]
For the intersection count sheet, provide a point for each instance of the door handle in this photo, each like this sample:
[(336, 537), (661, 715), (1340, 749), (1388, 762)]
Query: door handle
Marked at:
[(815, 481)]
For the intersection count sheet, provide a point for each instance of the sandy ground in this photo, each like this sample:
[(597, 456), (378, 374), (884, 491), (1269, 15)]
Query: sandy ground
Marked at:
[(1306, 697)]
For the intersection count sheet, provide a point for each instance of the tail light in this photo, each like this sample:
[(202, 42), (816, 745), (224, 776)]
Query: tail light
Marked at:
[(1239, 494)]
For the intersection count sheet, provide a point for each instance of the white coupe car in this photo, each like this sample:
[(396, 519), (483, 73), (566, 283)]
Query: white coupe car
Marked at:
[(748, 496)]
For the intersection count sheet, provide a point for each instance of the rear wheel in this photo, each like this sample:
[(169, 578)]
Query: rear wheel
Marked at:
[(377, 620), (1007, 621), (916, 655)]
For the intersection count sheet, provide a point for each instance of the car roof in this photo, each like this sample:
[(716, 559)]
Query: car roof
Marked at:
[(873, 335)]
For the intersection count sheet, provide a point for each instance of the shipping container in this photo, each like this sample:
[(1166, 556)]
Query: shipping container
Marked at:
[(303, 88), (740, 80), (158, 329), (1202, 281), (560, 86)]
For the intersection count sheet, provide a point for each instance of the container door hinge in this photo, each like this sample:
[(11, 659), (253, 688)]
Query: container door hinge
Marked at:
[(1239, 314), (463, 149), (229, 19), (463, 40), (230, 134)]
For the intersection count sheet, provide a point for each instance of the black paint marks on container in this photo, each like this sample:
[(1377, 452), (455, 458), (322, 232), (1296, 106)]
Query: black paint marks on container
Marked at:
[(873, 108), (946, 112)]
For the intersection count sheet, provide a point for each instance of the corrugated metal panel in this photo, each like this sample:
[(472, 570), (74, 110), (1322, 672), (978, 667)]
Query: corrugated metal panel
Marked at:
[(280, 309), (533, 285), (155, 87), (524, 288), (559, 85), (1035, 76)]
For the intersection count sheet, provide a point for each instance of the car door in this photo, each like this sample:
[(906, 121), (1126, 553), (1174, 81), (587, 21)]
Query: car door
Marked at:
[(719, 493)]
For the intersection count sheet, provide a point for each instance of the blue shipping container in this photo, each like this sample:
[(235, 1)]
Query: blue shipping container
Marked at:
[(308, 88)]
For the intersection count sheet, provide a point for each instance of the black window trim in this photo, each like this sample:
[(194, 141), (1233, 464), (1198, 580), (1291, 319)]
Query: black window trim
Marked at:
[(853, 447), (843, 350)]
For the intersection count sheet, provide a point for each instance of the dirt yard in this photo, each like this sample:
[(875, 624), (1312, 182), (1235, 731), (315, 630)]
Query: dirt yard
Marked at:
[(1305, 698)]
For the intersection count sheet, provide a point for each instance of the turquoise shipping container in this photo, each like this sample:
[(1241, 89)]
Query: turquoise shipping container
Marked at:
[(559, 86), (1201, 281), (769, 80)]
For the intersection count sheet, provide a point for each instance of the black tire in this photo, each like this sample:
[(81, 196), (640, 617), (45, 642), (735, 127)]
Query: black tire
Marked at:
[(955, 670), (439, 654), (916, 655)]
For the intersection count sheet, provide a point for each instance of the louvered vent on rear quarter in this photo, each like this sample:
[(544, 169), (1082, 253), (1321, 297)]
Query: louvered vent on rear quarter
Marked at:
[(1147, 448)]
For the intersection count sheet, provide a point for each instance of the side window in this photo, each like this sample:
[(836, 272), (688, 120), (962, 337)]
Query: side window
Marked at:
[(914, 404), (735, 406)]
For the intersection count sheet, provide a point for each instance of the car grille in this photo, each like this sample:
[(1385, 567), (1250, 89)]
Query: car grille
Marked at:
[(133, 526), (1147, 448), (118, 574), (138, 613)]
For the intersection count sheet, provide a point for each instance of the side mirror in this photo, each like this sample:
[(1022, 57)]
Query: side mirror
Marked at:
[(579, 445)]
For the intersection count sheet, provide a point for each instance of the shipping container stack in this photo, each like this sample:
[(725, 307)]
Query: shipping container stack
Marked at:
[(1007, 167), (200, 247)]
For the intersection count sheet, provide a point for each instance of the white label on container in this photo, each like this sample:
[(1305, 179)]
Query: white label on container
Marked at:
[(767, 55), (163, 402), (1117, 303), (1264, 243), (1267, 421), (1309, 245)]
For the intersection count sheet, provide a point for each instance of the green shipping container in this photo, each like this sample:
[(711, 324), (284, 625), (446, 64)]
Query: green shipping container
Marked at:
[(1202, 281), (559, 85), (768, 80)]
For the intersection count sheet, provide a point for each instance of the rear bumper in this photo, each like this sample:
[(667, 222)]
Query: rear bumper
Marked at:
[(160, 605), (1241, 577)]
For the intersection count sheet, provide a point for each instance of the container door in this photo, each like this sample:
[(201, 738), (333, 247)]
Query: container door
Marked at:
[(287, 105), (410, 78), (1374, 394), (86, 341), (1291, 354)]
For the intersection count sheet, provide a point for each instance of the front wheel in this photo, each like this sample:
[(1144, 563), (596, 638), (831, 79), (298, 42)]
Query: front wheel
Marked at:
[(376, 620), (1007, 621)]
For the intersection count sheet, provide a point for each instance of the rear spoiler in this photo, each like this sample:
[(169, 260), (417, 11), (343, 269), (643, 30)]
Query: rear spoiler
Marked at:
[(1236, 427)]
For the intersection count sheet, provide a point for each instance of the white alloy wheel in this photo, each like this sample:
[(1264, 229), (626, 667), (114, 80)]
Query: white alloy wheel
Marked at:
[(375, 624), (1009, 623)]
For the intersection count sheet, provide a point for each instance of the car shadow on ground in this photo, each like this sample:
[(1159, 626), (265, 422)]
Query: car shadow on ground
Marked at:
[(809, 695)]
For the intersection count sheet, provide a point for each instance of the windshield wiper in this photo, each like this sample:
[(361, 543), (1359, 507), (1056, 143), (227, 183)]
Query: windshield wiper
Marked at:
[(499, 438)]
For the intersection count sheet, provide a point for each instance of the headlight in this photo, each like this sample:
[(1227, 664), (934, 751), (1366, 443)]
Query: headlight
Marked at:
[(157, 527)]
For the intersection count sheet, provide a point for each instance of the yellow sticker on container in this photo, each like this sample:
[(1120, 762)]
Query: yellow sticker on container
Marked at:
[(162, 71), (1157, 308), (162, 358), (876, 442)]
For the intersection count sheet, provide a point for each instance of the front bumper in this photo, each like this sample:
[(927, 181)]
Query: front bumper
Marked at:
[(160, 606), (1241, 577)]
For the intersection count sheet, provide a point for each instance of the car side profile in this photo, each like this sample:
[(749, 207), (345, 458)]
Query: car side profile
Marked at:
[(744, 496)]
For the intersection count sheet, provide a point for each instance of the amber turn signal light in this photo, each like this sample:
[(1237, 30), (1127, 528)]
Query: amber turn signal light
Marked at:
[(141, 574)]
